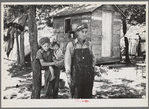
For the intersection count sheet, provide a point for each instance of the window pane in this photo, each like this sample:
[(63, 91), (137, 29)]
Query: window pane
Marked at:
[(67, 25)]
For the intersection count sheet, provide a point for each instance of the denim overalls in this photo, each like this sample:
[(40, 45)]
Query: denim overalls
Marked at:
[(82, 73)]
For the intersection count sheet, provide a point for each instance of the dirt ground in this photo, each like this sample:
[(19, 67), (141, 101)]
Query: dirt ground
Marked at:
[(117, 82)]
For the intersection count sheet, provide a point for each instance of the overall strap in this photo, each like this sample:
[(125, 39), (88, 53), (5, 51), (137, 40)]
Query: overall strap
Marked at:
[(74, 45)]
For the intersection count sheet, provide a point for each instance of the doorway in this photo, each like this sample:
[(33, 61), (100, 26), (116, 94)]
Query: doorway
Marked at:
[(106, 33)]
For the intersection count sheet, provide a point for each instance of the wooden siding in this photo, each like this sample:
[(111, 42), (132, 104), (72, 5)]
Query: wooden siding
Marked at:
[(117, 23), (94, 22), (108, 8), (96, 33)]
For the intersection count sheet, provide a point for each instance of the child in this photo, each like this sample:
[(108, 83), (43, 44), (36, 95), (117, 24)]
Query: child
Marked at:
[(58, 54), (45, 55)]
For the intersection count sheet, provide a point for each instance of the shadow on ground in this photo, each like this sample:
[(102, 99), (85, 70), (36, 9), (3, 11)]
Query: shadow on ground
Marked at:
[(125, 89)]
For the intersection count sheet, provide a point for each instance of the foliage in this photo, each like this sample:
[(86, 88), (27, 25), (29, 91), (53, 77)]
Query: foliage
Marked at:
[(136, 14), (99, 70), (13, 11)]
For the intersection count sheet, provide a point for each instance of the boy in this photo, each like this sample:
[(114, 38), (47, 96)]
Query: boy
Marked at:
[(45, 55)]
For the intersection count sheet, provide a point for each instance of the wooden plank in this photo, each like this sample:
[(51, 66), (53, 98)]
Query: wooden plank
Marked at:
[(58, 25), (117, 23), (108, 7), (117, 13), (107, 60), (117, 27), (97, 14), (96, 23), (58, 19), (96, 32), (85, 20), (93, 37), (86, 16), (96, 42), (96, 50), (117, 17), (96, 38), (116, 31), (116, 46), (95, 17), (76, 21)]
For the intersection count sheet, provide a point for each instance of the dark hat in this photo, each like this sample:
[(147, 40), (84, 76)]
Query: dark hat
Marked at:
[(44, 40), (81, 26)]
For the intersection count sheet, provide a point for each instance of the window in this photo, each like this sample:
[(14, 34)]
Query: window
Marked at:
[(67, 25)]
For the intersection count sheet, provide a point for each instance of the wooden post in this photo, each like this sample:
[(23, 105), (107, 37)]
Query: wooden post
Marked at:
[(18, 54), (22, 58), (36, 69)]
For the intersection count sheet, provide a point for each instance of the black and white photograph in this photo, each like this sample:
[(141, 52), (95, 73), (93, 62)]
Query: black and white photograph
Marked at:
[(74, 54)]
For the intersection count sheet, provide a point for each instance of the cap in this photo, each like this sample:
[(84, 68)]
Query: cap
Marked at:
[(44, 40), (81, 26)]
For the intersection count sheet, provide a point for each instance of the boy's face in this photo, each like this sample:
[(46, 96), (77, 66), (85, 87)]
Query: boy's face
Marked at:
[(45, 46), (55, 47)]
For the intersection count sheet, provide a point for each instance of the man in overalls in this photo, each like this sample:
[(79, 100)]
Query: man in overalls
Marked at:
[(79, 64)]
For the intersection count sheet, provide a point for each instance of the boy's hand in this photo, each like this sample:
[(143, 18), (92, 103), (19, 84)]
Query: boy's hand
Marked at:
[(58, 63)]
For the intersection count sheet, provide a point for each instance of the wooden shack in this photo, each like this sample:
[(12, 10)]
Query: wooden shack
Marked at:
[(104, 29)]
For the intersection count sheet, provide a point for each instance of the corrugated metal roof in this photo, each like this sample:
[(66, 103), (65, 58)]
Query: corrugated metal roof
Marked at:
[(77, 10)]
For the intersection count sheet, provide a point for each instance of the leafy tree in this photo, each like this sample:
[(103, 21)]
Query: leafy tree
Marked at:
[(136, 14), (11, 12)]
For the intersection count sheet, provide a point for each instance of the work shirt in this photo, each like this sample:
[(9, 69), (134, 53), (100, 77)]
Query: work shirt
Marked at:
[(70, 50), (45, 55)]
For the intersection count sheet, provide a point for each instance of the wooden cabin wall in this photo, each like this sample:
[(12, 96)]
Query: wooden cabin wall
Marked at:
[(117, 23), (96, 33), (62, 37), (94, 22), (116, 30)]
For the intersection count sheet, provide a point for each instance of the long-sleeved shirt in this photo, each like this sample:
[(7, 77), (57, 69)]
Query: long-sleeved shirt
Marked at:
[(70, 50)]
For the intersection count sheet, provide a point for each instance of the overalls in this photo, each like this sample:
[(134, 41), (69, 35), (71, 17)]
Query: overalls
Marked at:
[(51, 87), (82, 73)]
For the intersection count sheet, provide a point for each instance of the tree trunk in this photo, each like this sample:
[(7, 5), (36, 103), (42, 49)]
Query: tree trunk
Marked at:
[(18, 54), (124, 26), (36, 69), (22, 59)]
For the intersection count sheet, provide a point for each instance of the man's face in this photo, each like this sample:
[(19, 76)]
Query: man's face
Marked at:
[(82, 34), (45, 46)]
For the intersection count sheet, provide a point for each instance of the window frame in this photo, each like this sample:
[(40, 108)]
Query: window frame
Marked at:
[(65, 23)]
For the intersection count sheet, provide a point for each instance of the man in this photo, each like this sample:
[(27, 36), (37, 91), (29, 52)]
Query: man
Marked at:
[(79, 64)]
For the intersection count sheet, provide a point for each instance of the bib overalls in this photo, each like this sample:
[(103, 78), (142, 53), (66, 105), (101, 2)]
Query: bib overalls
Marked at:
[(82, 74)]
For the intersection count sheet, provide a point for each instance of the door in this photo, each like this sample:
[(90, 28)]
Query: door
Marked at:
[(106, 33)]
